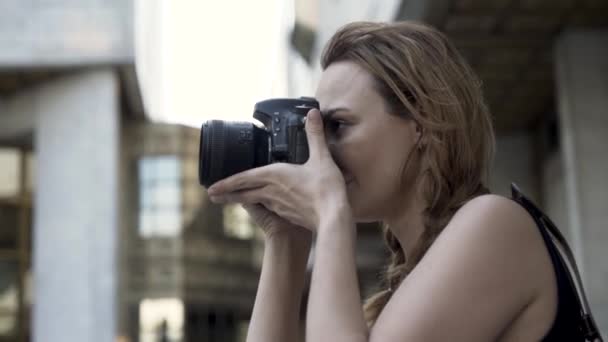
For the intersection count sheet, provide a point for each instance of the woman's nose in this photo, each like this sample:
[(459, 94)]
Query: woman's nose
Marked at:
[(334, 151)]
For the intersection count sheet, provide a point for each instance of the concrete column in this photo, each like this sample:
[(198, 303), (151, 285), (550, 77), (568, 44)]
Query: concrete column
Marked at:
[(554, 193), (75, 223), (581, 60), (515, 163)]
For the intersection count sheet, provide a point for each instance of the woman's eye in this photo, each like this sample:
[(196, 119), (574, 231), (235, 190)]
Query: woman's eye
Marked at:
[(335, 125)]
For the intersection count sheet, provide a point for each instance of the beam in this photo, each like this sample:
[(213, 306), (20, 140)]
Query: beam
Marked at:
[(132, 96), (17, 117), (490, 41), (433, 12)]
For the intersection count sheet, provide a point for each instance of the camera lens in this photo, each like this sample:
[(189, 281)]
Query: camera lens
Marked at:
[(227, 148)]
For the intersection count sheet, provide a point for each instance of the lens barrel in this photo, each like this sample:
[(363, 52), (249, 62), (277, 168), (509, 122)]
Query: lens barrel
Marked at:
[(227, 148)]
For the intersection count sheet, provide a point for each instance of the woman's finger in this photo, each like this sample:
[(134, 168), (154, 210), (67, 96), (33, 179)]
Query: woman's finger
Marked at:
[(247, 197), (315, 134), (249, 179)]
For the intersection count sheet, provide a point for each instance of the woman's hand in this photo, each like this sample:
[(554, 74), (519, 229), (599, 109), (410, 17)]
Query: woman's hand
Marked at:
[(275, 227), (300, 194)]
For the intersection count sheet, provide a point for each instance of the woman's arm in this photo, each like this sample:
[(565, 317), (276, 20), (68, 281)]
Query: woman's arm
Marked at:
[(487, 266), (334, 306), (476, 278), (277, 303)]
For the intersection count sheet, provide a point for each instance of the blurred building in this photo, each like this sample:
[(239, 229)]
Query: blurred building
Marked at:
[(105, 233), (544, 65), (189, 263)]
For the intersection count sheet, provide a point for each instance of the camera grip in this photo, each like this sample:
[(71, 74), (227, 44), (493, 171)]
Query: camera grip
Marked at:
[(298, 145)]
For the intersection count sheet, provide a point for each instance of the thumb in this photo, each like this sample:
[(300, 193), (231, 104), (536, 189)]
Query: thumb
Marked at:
[(315, 133)]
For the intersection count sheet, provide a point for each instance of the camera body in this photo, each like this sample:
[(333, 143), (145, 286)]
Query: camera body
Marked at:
[(284, 120), (227, 148)]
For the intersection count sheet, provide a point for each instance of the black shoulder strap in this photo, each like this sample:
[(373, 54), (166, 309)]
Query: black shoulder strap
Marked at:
[(587, 323)]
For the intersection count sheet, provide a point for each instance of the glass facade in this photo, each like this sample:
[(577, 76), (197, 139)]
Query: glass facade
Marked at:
[(161, 320), (237, 223), (160, 212), (15, 230)]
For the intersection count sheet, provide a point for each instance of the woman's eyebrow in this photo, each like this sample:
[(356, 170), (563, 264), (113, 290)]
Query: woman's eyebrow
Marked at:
[(329, 113)]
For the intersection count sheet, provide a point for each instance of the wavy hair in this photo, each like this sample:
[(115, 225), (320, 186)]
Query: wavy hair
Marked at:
[(422, 77)]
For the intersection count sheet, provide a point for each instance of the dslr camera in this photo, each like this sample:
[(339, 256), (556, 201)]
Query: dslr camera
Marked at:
[(227, 148)]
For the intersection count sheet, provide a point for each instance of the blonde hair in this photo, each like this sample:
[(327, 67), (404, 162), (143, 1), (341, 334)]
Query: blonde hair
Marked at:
[(423, 78)]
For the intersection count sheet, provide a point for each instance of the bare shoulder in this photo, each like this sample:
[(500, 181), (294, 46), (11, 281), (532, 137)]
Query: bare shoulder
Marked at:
[(512, 234), (504, 234), (488, 263), (493, 213), (494, 224)]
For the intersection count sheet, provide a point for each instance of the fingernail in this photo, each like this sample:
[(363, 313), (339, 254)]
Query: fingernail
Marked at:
[(311, 116), (216, 199)]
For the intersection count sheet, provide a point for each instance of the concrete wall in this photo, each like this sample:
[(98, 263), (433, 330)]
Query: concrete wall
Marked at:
[(329, 16), (65, 32), (515, 161), (582, 87), (554, 193)]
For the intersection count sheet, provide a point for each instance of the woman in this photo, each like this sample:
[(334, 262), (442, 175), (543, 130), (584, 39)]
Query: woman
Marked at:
[(403, 137)]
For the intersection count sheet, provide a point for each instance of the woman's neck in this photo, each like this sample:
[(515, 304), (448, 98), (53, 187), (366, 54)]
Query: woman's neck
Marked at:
[(406, 222)]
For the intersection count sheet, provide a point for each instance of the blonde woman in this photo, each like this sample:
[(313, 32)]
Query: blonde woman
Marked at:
[(403, 137)]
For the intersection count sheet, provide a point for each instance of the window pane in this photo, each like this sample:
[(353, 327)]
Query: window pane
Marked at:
[(160, 196), (161, 319), (167, 222), (146, 222), (167, 168), (145, 196), (146, 170), (9, 177), (8, 298), (166, 194), (236, 222)]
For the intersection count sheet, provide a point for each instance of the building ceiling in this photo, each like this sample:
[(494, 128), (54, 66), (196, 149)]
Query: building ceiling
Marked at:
[(12, 80), (510, 43)]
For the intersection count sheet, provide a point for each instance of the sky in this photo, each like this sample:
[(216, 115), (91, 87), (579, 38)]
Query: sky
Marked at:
[(201, 60)]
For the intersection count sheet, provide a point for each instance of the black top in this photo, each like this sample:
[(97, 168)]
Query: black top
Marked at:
[(572, 322)]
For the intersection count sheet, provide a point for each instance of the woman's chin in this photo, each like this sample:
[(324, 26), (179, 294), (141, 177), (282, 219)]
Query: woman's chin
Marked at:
[(360, 213)]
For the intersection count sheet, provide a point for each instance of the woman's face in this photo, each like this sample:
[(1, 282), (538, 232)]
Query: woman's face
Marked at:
[(367, 143)]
